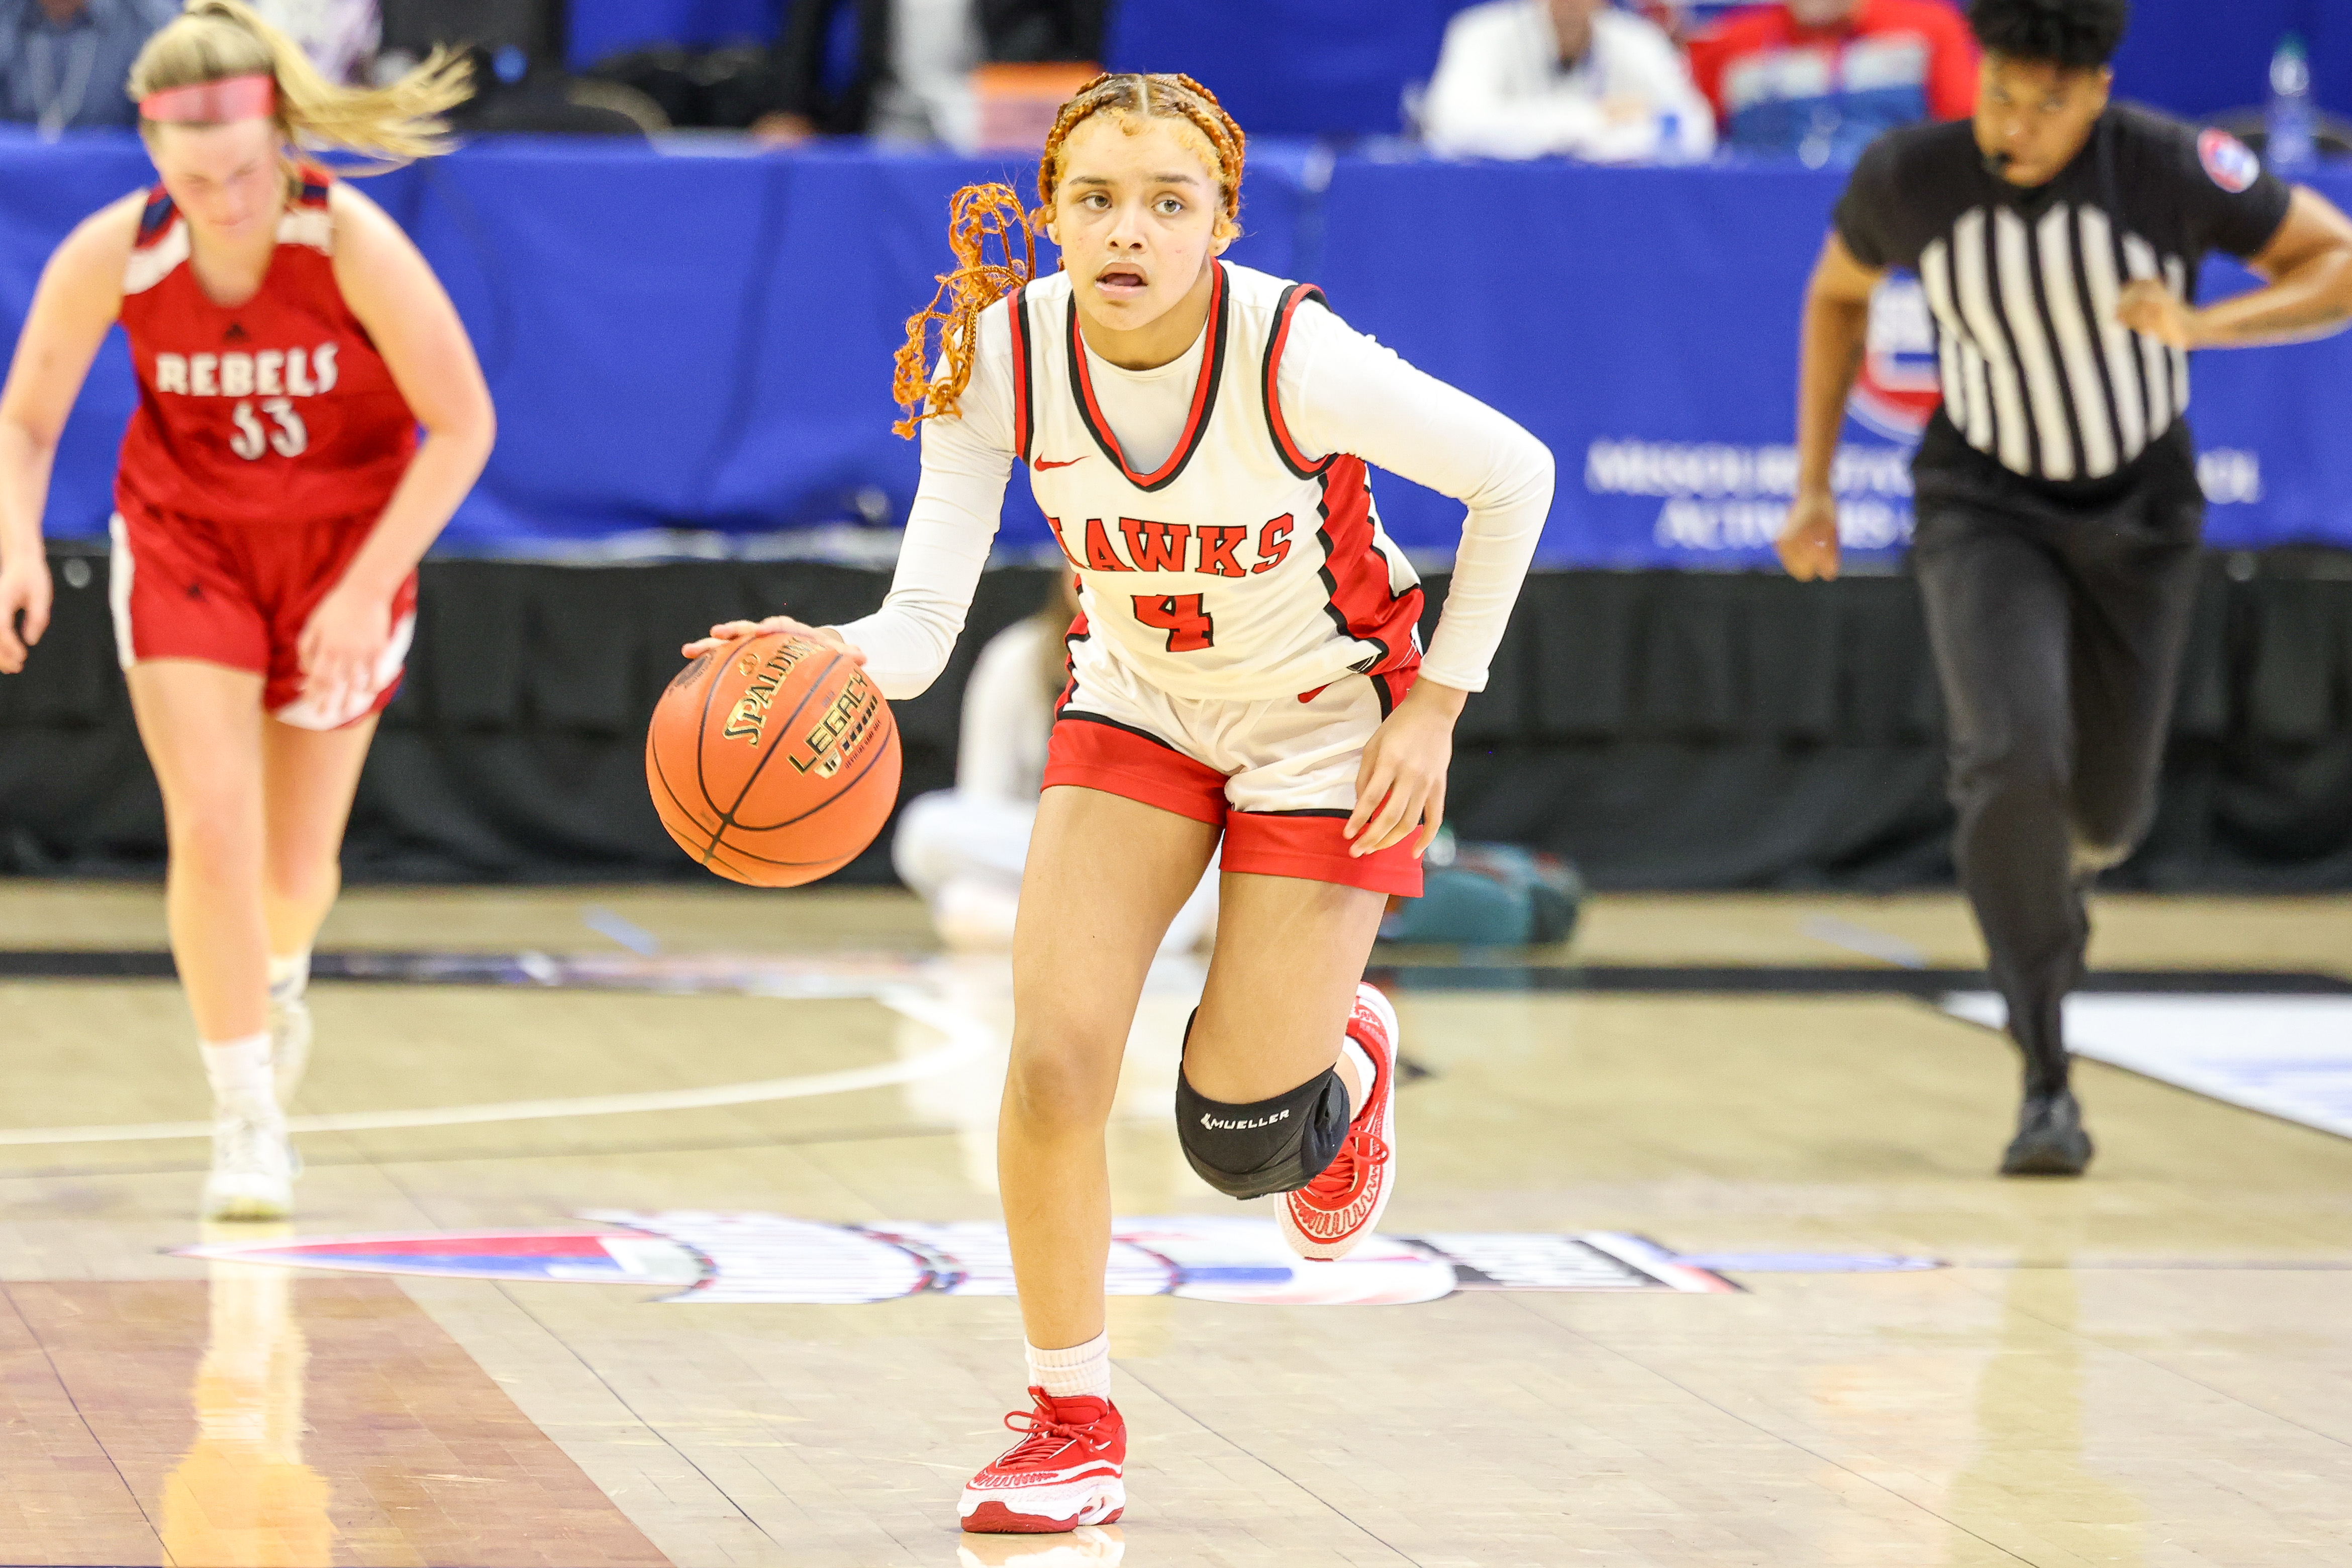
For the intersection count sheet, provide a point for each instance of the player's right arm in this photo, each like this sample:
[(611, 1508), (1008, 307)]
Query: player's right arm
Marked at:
[(1837, 329), (79, 297)]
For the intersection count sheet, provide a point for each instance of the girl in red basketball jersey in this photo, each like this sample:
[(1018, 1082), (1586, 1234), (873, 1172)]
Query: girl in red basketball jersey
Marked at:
[(272, 501), (1246, 668)]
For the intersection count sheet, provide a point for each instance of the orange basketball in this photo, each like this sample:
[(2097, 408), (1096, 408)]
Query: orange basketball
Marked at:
[(773, 760)]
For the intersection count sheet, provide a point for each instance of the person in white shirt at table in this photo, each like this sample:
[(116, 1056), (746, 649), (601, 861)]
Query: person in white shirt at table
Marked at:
[(1579, 78)]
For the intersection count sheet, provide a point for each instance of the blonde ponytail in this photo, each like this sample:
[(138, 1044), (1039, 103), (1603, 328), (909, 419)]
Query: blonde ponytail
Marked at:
[(214, 40)]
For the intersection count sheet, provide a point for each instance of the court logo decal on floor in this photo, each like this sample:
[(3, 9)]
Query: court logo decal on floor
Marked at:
[(773, 1259)]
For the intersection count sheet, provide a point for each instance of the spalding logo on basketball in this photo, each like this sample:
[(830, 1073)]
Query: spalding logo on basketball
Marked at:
[(2230, 161), (773, 761), (1896, 390)]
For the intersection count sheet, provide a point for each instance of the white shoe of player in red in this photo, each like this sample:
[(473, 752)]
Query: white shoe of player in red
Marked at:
[(1064, 1472), (1328, 1216)]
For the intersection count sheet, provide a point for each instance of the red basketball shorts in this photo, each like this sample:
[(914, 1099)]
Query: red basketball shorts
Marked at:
[(1278, 776), (240, 596)]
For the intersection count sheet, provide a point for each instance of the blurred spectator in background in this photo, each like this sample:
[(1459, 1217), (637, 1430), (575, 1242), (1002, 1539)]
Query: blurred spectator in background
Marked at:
[(901, 69), (1524, 79), (513, 92), (1821, 78), (963, 849), (63, 62), (340, 36), (513, 55), (901, 77)]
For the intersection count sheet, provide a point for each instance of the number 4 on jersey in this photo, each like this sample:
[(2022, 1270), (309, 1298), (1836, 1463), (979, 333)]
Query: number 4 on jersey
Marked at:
[(1190, 628)]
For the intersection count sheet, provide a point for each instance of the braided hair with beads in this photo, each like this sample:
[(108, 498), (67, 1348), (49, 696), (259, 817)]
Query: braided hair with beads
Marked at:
[(979, 214)]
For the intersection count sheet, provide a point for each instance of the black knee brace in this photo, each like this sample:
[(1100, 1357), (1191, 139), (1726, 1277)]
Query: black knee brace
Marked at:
[(1276, 1145)]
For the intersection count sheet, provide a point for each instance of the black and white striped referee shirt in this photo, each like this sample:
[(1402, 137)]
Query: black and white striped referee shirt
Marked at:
[(2037, 373)]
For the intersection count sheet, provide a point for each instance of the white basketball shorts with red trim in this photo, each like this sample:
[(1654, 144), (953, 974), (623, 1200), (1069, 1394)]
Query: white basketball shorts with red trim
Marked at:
[(1277, 777)]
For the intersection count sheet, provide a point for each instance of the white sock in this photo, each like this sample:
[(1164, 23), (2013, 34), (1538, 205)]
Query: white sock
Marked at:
[(1081, 1370), (288, 977), (239, 1071), (1366, 1073)]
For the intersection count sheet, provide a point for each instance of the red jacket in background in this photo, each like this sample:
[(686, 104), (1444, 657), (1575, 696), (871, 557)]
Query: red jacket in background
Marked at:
[(1734, 65)]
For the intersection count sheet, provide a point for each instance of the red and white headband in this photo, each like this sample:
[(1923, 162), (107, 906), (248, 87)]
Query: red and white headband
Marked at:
[(232, 98)]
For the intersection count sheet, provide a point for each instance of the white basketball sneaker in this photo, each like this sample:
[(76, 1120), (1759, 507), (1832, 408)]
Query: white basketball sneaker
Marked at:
[(289, 1044), (1328, 1216), (252, 1175)]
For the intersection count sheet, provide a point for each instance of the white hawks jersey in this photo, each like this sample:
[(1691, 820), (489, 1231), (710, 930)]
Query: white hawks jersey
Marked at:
[(1238, 569)]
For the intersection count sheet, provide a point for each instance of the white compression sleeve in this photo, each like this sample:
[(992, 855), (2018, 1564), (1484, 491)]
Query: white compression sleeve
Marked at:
[(967, 462), (1342, 392), (948, 531)]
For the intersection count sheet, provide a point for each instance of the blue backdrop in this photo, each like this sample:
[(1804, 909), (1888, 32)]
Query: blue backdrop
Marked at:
[(1305, 67), (704, 342)]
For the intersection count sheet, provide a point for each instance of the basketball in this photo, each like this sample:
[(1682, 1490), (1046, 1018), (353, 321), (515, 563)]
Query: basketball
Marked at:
[(773, 761)]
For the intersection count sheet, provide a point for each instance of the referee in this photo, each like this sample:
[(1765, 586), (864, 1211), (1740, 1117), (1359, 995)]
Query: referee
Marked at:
[(2058, 239)]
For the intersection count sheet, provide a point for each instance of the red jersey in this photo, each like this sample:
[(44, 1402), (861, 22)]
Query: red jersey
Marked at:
[(278, 410)]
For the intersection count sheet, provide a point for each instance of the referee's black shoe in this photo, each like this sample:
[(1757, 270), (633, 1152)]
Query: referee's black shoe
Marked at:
[(2049, 1139)]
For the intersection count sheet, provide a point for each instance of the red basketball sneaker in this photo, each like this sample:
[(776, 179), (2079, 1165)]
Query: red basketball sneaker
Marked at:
[(1063, 1474), (1328, 1216)]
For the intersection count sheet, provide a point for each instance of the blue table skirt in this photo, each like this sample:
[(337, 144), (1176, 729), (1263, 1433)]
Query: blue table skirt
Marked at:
[(701, 338)]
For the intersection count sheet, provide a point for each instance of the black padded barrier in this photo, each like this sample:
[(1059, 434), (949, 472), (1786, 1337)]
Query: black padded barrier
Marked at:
[(1664, 730)]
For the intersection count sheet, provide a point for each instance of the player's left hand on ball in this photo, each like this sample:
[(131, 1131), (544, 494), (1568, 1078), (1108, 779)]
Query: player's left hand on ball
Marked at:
[(1400, 785), (342, 643), (726, 632), (2148, 307)]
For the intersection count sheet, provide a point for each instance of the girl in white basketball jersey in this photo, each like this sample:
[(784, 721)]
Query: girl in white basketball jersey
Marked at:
[(1246, 668)]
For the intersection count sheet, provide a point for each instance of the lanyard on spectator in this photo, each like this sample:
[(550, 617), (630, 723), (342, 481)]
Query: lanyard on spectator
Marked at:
[(58, 107)]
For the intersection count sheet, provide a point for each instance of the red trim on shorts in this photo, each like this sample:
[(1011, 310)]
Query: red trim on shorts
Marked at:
[(1095, 753), (1091, 751), (1313, 845)]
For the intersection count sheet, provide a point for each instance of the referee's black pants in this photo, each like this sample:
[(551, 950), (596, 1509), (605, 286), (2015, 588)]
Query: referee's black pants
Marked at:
[(2057, 632)]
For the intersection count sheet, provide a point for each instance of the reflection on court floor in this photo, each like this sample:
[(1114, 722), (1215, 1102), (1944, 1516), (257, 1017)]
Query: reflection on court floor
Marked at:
[(733, 1292), (774, 1260), (256, 1419)]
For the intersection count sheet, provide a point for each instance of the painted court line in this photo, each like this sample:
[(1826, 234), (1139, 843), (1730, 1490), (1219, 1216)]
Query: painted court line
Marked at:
[(966, 1040), (1870, 944)]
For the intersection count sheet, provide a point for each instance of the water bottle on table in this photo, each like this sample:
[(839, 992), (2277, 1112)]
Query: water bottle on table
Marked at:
[(2294, 147)]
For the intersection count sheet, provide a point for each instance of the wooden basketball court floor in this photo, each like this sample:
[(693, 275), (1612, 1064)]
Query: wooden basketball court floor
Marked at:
[(1749, 1098)]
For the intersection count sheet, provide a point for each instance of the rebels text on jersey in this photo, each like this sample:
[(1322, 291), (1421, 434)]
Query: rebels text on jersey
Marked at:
[(278, 410), (1240, 567)]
